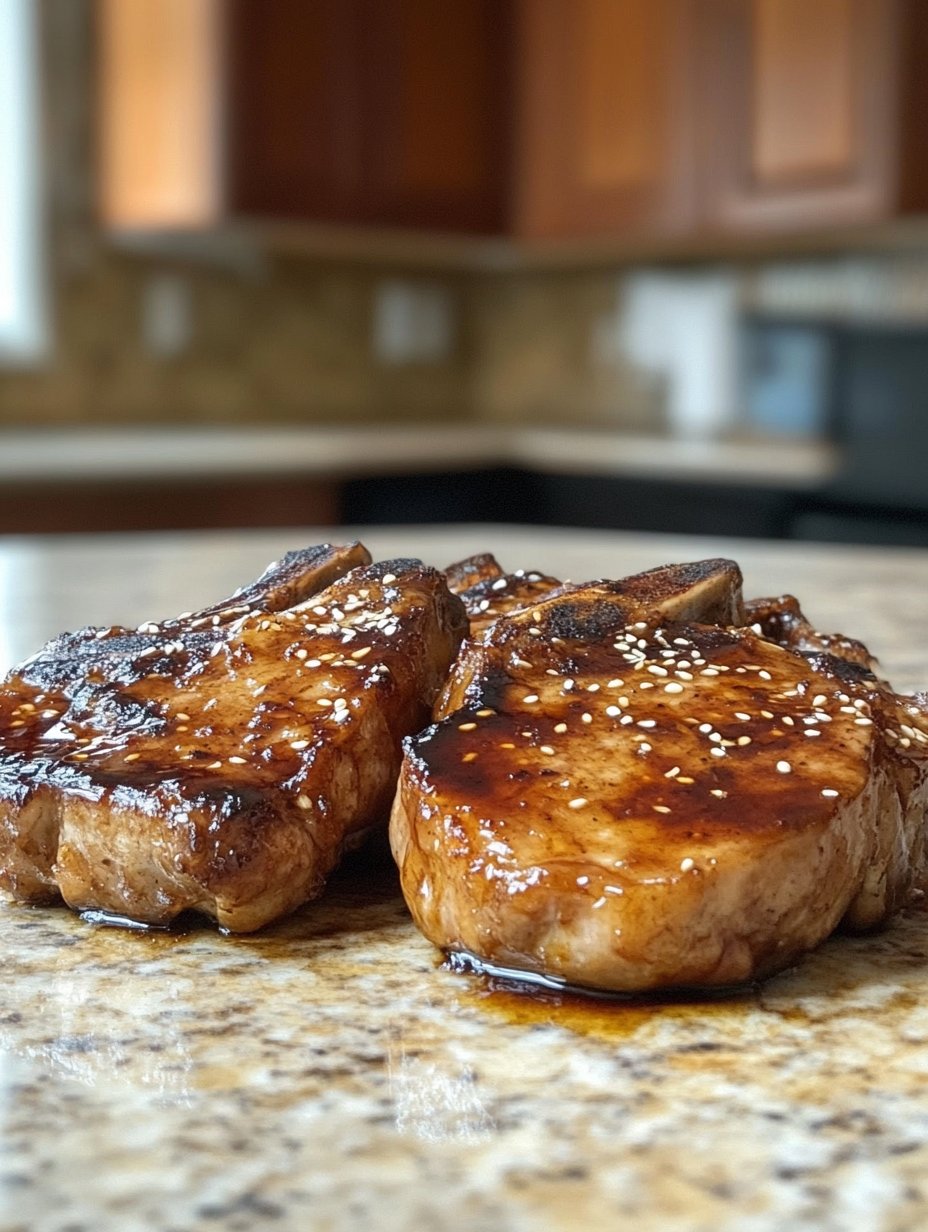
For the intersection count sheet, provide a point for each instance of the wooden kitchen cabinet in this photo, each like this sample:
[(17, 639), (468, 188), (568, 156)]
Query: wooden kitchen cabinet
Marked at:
[(377, 112), (605, 141), (811, 113), (534, 120), (520, 117)]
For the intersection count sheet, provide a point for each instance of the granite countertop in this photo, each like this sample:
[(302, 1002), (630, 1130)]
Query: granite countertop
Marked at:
[(346, 452), (328, 1073)]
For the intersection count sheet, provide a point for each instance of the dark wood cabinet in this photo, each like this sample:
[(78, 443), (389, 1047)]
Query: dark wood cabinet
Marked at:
[(379, 112)]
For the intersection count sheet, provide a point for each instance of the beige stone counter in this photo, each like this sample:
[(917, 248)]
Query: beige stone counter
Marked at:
[(329, 1074), (101, 454)]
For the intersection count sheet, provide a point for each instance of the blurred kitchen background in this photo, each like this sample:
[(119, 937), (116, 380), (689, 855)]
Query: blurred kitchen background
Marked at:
[(654, 264)]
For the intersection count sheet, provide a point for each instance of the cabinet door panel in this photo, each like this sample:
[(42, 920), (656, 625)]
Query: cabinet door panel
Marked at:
[(606, 118), (436, 103), (800, 111), (294, 122)]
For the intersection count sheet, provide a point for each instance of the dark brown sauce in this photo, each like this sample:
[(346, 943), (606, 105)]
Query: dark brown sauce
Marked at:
[(607, 1016)]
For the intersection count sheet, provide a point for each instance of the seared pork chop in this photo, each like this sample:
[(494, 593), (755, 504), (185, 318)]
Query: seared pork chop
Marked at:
[(487, 592), (221, 761), (627, 788)]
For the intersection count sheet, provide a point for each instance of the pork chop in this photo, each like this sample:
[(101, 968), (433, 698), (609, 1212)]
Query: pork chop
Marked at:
[(224, 760), (628, 788), (488, 592)]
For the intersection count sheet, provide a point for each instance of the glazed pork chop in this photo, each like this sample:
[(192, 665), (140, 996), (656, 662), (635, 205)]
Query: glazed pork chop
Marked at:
[(488, 592), (222, 761), (629, 788)]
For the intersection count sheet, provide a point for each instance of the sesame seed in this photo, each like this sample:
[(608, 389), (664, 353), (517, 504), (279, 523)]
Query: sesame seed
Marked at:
[(740, 714), (582, 881), (469, 757), (592, 688), (181, 717), (812, 731), (647, 722), (709, 671), (388, 578), (705, 728), (507, 744), (485, 713), (323, 701), (299, 745), (467, 726), (863, 722), (577, 803), (660, 808), (547, 750), (764, 675), (819, 699), (717, 751), (673, 687), (304, 802), (657, 671), (615, 684), (685, 778), (214, 765), (530, 698), (829, 792), (612, 711), (586, 717), (681, 675), (301, 653), (236, 760), (767, 714), (132, 756), (686, 864), (672, 772), (743, 741), (784, 767), (718, 793), (517, 662), (361, 652), (560, 728)]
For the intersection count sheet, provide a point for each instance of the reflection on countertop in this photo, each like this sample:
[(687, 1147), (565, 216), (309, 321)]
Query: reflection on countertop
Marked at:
[(329, 1071)]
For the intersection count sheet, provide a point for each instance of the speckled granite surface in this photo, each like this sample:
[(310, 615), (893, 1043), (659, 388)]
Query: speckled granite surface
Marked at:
[(329, 1074)]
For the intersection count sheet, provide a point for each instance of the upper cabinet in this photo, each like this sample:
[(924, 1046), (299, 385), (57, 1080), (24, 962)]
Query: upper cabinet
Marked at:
[(807, 111), (377, 113), (538, 120), (605, 137)]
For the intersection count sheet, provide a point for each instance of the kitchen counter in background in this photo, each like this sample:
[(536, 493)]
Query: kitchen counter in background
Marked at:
[(328, 1073), (172, 478), (384, 449)]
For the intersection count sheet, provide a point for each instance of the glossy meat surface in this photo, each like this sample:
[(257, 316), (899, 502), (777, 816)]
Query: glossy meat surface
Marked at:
[(629, 789), (221, 761), (488, 592)]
